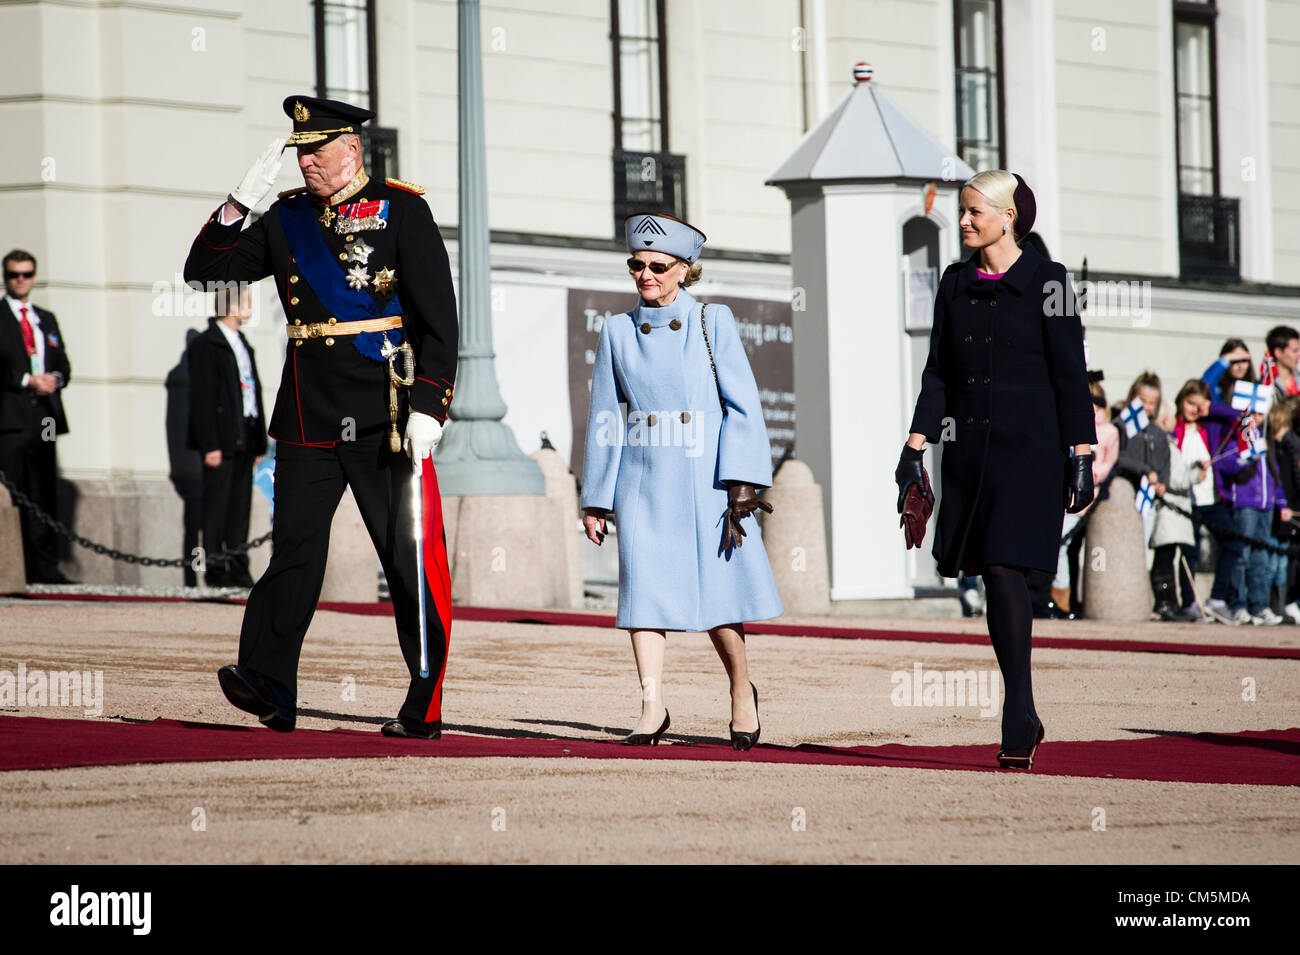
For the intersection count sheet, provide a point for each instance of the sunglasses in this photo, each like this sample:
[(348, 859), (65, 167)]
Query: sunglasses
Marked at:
[(19, 275), (1239, 361), (658, 268)]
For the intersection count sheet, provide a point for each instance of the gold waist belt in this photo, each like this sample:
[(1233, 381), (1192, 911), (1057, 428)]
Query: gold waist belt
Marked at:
[(335, 327)]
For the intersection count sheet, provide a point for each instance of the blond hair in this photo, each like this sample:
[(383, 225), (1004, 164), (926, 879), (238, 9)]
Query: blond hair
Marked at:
[(997, 186), (693, 272)]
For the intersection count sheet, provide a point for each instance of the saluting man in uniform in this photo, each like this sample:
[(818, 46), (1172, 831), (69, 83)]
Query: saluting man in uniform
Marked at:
[(361, 269)]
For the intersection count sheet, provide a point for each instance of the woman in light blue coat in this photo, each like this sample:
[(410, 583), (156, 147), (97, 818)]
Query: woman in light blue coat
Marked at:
[(680, 467)]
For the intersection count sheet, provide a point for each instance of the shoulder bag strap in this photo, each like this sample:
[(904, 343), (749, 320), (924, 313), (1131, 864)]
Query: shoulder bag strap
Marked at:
[(704, 328)]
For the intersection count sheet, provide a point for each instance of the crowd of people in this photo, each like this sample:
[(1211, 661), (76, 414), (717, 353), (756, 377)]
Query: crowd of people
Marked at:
[(1213, 472)]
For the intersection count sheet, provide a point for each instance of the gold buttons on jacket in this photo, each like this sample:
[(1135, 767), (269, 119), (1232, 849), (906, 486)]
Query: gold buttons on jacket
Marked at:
[(329, 341), (298, 343), (652, 420), (294, 300), (333, 320), (448, 392), (444, 401), (343, 256), (297, 321), (349, 238), (970, 380), (675, 324), (686, 417), (645, 328), (293, 280), (968, 339)]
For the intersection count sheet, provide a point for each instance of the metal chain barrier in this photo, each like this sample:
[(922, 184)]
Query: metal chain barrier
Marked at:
[(23, 501)]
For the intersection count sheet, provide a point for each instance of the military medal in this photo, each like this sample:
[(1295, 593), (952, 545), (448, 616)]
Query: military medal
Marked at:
[(361, 253), (385, 279), (362, 216), (327, 217), (358, 277)]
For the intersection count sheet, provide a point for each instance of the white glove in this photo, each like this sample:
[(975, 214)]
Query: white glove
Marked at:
[(261, 176), (422, 435)]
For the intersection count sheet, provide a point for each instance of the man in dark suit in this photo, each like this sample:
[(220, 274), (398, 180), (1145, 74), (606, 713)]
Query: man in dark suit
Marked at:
[(227, 426), (360, 268), (33, 370)]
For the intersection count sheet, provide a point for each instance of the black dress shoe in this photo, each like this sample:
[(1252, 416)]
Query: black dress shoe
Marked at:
[(743, 741), (267, 699), (410, 729), (51, 577), (1054, 612), (1021, 757), (648, 739)]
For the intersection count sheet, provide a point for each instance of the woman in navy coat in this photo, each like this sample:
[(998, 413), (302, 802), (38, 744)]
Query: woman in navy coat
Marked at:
[(681, 472), (1005, 388)]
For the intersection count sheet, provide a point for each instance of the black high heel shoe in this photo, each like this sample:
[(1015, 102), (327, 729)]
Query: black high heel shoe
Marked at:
[(744, 741), (1022, 757), (648, 739)]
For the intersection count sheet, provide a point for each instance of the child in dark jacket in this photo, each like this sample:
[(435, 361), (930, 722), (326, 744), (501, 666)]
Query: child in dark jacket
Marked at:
[(1286, 448)]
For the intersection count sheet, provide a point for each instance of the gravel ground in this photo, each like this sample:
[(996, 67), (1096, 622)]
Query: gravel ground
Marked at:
[(159, 659)]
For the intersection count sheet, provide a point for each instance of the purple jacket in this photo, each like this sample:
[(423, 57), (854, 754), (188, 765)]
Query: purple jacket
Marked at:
[(1253, 484)]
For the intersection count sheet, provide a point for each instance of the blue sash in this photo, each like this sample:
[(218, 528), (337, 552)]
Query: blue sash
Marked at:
[(327, 280)]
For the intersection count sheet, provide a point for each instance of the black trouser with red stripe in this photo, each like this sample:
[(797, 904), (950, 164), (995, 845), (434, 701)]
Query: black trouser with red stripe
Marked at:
[(309, 483)]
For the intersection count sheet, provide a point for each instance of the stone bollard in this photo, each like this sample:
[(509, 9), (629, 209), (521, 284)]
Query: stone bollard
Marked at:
[(352, 570), (1116, 585), (565, 525), (501, 548), (795, 537), (13, 573)]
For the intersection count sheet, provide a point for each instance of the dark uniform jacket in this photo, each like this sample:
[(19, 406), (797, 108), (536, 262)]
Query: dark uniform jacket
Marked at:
[(329, 390), (216, 399), (21, 409), (1005, 387)]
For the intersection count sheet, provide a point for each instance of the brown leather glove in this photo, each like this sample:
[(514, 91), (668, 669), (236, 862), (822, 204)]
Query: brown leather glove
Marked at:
[(744, 500)]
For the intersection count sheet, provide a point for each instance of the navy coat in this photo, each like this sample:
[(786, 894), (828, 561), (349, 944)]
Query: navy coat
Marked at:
[(664, 468), (1005, 389)]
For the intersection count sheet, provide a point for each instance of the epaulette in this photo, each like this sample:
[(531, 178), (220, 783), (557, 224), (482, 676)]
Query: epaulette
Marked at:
[(403, 184), (291, 192)]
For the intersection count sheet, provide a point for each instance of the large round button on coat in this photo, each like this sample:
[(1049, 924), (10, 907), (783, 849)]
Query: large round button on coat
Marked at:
[(686, 417), (674, 324), (645, 328), (652, 420)]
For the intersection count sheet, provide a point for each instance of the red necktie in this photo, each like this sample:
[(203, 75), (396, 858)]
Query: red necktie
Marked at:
[(29, 337)]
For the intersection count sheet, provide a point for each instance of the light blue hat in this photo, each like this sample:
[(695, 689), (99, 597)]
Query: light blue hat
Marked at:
[(661, 233)]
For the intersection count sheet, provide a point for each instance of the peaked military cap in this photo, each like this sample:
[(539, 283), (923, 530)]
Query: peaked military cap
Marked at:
[(661, 233), (318, 120)]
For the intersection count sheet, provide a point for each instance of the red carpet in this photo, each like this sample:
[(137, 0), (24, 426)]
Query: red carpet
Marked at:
[(1257, 758), (576, 619)]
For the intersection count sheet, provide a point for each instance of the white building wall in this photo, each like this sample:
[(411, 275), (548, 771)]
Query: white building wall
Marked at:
[(1283, 70)]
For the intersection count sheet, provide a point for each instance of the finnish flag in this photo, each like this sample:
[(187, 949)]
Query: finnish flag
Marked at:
[(1256, 445), (1145, 501), (1135, 417), (1251, 396)]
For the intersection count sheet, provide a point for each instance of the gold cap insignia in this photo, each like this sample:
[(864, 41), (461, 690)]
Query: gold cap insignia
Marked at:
[(301, 113)]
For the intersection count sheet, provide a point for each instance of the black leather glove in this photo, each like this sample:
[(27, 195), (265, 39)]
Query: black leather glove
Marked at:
[(1078, 483), (743, 501), (909, 472)]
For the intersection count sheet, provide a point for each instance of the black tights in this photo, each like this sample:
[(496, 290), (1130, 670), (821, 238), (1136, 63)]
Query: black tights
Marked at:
[(1011, 619)]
